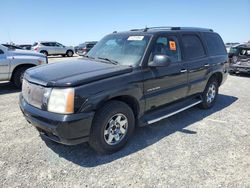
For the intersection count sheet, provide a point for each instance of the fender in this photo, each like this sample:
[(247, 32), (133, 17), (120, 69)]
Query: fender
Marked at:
[(129, 85)]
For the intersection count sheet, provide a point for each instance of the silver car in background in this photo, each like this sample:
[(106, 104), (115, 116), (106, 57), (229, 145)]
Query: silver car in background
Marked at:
[(14, 62), (53, 48)]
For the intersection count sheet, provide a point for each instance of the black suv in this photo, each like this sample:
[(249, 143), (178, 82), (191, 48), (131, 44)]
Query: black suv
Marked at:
[(129, 78), (239, 58)]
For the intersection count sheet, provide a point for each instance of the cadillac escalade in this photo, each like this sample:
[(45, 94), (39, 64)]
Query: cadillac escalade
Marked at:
[(128, 79)]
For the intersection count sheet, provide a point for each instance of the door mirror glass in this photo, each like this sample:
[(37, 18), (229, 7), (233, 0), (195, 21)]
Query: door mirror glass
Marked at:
[(160, 61)]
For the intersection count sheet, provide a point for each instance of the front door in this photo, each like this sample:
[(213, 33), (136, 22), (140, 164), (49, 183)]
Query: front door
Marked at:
[(4, 66), (60, 49), (165, 84)]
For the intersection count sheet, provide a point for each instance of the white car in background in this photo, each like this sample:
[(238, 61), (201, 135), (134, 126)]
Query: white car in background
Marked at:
[(14, 62), (53, 48)]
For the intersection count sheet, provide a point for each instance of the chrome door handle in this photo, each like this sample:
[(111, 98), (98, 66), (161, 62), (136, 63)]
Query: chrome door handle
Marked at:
[(183, 70), (206, 65)]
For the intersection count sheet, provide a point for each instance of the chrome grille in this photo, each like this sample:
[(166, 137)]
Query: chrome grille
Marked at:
[(33, 94)]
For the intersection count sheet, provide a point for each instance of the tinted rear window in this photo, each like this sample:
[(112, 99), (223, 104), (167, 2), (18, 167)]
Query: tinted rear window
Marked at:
[(215, 44), (90, 45), (193, 47), (46, 43)]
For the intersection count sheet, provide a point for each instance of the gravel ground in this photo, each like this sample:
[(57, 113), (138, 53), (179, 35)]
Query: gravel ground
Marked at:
[(196, 148)]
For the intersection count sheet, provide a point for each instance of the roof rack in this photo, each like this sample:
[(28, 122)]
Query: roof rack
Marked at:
[(172, 28)]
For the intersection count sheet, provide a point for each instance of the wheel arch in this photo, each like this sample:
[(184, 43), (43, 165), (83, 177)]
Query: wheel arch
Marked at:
[(131, 101), (70, 50), (26, 65), (44, 51), (218, 76)]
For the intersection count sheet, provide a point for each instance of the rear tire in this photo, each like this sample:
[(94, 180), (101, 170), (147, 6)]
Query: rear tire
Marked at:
[(112, 126), (44, 53), (18, 76), (69, 53), (210, 94)]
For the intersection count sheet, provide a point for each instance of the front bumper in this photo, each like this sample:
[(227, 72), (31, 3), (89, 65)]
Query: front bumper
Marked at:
[(66, 129)]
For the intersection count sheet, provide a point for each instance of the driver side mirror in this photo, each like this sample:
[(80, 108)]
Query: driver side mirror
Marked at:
[(160, 61)]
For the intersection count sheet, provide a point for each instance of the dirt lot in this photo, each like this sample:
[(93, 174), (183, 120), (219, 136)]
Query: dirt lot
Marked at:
[(196, 148)]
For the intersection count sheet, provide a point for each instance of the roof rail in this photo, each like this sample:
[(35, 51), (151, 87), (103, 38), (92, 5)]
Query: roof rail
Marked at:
[(172, 28)]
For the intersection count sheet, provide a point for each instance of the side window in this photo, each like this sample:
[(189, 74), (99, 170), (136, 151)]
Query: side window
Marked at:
[(52, 44), (1, 52), (215, 44), (166, 45), (245, 52), (193, 47), (58, 44), (45, 44)]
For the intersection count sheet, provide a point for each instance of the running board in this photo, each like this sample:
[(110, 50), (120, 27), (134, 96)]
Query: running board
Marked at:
[(170, 110)]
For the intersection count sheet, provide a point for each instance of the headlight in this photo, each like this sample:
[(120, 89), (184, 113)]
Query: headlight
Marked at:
[(61, 101)]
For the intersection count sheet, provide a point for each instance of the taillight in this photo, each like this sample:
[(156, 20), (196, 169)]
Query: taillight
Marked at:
[(84, 49), (36, 48)]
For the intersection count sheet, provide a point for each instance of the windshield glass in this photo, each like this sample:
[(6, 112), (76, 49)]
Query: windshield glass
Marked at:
[(124, 49), (233, 50)]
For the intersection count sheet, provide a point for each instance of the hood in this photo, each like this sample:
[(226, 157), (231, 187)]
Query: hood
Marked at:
[(18, 52), (73, 73)]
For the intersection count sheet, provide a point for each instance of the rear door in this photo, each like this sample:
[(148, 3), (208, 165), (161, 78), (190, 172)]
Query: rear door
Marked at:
[(196, 60), (4, 66), (49, 47), (163, 85)]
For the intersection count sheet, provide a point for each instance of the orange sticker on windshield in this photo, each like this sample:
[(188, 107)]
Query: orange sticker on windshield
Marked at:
[(172, 45)]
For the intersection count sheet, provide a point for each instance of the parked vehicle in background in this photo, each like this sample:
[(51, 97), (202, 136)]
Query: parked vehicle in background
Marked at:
[(137, 77), (14, 62), (230, 44), (13, 47), (53, 48), (25, 46), (239, 57), (84, 48)]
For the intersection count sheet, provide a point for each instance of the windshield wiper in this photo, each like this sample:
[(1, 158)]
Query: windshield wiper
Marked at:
[(109, 60)]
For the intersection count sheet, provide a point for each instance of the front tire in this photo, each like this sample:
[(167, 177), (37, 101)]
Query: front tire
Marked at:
[(112, 127), (18, 77), (69, 53), (210, 94)]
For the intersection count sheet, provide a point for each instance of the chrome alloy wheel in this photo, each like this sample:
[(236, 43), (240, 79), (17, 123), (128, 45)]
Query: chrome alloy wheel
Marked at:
[(211, 93), (116, 129)]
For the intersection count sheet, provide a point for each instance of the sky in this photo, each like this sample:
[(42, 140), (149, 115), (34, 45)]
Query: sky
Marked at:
[(76, 21)]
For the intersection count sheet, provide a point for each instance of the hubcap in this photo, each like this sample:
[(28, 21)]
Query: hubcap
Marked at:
[(70, 53), (211, 93), (116, 129)]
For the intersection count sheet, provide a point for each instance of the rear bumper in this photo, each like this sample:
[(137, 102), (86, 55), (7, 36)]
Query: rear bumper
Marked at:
[(66, 129), (81, 53), (239, 68)]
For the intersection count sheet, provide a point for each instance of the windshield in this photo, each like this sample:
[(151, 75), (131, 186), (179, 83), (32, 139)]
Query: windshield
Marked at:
[(233, 50), (123, 49)]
